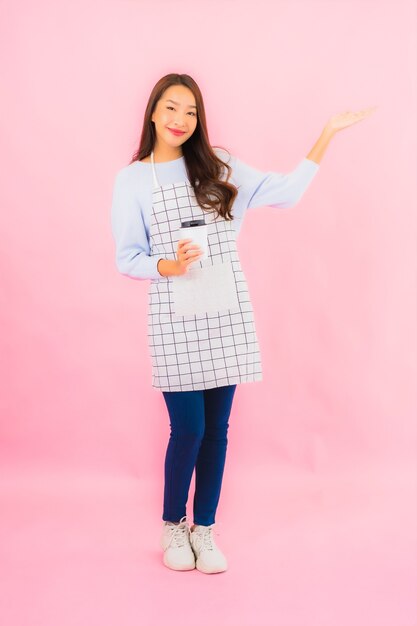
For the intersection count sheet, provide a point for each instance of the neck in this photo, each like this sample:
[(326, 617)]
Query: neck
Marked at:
[(166, 153)]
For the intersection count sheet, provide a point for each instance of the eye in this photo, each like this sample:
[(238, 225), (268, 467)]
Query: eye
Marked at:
[(192, 113)]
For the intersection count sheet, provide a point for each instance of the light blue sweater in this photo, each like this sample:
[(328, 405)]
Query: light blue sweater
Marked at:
[(132, 203)]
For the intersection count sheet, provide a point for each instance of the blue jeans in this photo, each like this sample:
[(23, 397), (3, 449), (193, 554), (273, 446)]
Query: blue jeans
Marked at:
[(199, 421)]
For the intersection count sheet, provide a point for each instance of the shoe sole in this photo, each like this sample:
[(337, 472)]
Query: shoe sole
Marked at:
[(183, 568), (204, 571)]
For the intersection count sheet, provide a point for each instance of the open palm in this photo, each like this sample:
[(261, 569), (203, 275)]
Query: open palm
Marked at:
[(343, 120)]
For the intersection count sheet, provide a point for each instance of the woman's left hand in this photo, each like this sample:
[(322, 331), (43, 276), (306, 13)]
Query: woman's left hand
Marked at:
[(343, 120)]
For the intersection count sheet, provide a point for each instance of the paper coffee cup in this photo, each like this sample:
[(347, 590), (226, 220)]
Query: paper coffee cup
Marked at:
[(199, 236)]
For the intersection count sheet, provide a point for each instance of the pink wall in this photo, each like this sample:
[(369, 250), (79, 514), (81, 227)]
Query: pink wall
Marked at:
[(332, 280)]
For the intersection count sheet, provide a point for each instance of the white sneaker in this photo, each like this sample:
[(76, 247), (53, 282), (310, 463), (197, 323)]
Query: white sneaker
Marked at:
[(210, 559), (175, 542)]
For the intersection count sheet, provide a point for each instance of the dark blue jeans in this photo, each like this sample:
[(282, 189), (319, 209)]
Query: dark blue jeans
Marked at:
[(199, 421)]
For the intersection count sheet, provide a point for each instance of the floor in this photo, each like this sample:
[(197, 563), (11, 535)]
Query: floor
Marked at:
[(80, 549)]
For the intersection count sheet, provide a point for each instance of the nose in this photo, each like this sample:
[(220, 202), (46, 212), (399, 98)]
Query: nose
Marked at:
[(179, 121)]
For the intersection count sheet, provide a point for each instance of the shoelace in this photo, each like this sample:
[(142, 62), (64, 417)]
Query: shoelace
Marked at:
[(204, 536), (179, 533)]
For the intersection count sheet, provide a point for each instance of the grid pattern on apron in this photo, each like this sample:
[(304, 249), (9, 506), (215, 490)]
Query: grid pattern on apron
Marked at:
[(199, 348)]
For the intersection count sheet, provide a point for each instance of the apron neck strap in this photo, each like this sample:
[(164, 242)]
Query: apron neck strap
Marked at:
[(155, 179)]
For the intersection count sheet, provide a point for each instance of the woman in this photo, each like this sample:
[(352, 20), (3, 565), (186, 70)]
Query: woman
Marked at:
[(201, 327)]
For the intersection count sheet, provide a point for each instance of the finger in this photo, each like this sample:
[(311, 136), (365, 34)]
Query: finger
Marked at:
[(191, 247), (367, 111), (190, 260), (186, 245), (188, 254), (182, 242), (193, 253)]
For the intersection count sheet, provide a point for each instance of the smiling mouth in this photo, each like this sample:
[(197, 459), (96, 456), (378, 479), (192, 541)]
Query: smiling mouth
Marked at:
[(177, 132)]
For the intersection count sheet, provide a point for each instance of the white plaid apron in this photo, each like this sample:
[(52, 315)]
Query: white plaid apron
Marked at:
[(201, 328)]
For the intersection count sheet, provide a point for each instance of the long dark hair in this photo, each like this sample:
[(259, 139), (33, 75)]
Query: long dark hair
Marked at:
[(204, 167)]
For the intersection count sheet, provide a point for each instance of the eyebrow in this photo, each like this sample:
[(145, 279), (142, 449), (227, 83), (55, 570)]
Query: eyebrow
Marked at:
[(173, 101)]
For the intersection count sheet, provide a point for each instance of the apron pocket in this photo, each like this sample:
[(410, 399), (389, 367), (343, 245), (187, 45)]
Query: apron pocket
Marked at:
[(208, 289)]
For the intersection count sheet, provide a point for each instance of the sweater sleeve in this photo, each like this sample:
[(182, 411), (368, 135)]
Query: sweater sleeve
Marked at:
[(129, 233), (273, 188)]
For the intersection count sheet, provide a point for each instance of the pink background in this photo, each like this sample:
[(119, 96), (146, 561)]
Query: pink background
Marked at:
[(318, 507)]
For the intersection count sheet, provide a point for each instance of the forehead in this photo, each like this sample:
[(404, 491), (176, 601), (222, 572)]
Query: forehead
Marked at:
[(180, 94)]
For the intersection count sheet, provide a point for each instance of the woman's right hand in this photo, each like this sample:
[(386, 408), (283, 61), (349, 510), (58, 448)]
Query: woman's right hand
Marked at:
[(187, 253)]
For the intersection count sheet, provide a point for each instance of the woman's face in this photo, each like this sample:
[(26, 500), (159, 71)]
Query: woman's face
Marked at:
[(176, 109)]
